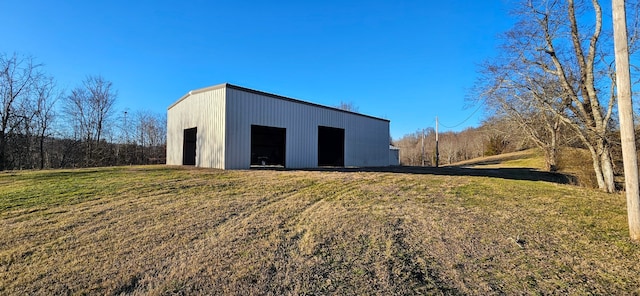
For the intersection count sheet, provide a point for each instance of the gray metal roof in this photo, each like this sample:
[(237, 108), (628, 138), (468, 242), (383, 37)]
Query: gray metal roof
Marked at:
[(228, 85)]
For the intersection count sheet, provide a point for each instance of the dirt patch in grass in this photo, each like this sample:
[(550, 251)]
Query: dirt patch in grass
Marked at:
[(159, 231)]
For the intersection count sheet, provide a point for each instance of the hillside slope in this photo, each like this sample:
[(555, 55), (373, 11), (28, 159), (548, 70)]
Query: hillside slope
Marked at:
[(160, 230), (531, 158)]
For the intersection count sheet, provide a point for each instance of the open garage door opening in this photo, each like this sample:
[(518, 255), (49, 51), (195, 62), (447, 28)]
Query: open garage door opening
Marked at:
[(189, 146), (330, 146), (268, 145)]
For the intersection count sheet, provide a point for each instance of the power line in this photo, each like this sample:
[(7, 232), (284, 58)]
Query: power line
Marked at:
[(464, 121)]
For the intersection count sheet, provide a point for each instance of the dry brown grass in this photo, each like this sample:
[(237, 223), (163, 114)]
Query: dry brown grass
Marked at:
[(572, 162), (530, 158), (167, 231), (578, 162)]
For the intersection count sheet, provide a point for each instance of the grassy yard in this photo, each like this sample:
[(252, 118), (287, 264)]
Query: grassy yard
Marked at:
[(170, 231)]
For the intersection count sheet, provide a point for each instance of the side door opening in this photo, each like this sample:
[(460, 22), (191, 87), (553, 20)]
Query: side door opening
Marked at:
[(189, 146)]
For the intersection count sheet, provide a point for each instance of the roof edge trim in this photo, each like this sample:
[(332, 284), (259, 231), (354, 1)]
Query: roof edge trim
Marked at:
[(197, 91)]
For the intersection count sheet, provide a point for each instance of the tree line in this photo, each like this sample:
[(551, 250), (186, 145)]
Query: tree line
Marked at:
[(493, 137), (44, 126)]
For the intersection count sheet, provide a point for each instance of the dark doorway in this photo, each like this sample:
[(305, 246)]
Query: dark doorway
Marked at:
[(268, 145), (330, 146), (189, 146)]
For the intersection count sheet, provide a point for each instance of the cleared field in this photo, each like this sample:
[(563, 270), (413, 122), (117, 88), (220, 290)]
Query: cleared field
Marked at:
[(170, 231)]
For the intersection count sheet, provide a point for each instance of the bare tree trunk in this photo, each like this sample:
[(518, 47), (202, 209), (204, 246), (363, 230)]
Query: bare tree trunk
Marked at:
[(597, 168), (607, 169), (551, 158), (3, 149), (585, 98), (44, 113), (625, 111), (41, 147)]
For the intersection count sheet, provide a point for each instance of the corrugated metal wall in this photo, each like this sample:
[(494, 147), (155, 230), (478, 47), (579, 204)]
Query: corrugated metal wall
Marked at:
[(366, 138), (394, 156), (205, 110)]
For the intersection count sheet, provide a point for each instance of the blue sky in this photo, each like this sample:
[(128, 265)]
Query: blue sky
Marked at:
[(407, 61)]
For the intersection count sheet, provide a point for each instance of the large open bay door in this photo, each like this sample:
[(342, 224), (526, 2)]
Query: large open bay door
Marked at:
[(330, 146), (268, 145)]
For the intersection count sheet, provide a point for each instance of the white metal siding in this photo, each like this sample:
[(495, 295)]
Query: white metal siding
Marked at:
[(366, 139), (394, 156), (366, 142), (205, 111)]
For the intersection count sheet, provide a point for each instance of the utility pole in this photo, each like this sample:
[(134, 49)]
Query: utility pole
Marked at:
[(422, 147), (625, 112), (437, 151), (126, 139), (126, 129)]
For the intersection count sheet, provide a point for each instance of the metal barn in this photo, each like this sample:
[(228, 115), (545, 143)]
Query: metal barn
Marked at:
[(232, 127)]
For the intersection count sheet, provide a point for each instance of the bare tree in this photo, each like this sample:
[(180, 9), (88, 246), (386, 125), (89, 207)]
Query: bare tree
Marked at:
[(150, 135), (46, 97), (17, 76), (561, 44), (347, 106), (454, 146), (411, 147), (509, 91), (90, 107)]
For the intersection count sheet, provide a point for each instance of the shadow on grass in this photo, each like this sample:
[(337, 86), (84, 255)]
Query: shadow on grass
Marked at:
[(47, 175), (503, 173)]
